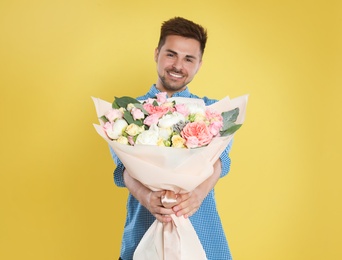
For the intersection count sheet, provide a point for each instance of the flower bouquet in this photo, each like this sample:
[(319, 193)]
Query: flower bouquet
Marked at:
[(160, 142)]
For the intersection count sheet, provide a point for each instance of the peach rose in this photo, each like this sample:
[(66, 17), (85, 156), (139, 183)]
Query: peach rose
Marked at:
[(196, 134)]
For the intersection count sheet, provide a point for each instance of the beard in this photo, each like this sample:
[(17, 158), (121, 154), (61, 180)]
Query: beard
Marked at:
[(172, 85)]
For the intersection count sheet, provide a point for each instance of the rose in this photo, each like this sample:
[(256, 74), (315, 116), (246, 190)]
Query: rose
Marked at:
[(133, 129), (149, 137), (137, 113), (122, 140), (115, 130), (151, 119), (130, 106), (196, 134), (165, 133), (161, 97), (160, 110), (169, 120), (195, 108), (215, 127), (114, 114), (198, 117), (177, 141), (183, 109)]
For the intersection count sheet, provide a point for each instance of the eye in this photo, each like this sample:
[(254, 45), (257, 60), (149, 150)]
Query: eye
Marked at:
[(170, 54), (189, 60)]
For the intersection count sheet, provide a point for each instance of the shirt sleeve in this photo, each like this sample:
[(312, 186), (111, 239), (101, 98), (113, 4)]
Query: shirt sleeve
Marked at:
[(119, 170), (225, 160)]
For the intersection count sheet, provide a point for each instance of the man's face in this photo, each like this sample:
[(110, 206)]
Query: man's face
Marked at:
[(178, 61)]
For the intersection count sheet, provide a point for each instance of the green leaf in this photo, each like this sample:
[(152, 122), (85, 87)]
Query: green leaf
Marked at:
[(231, 129), (124, 101), (114, 105), (128, 117), (155, 103), (104, 119), (231, 115), (130, 120)]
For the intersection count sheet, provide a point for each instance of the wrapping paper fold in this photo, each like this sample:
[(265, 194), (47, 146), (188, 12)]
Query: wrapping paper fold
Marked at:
[(176, 169)]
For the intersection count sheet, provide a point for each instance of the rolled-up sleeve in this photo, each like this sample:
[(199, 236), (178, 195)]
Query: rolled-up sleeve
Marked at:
[(119, 170), (225, 160)]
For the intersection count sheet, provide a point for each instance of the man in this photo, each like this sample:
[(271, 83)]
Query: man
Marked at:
[(178, 58)]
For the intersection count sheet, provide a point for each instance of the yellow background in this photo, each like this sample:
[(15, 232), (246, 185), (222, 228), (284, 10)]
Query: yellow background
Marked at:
[(282, 198)]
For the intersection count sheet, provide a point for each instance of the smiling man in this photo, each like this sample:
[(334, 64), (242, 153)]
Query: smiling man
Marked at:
[(178, 61), (178, 58)]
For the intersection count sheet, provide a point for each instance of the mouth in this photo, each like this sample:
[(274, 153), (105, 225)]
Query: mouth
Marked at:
[(175, 75)]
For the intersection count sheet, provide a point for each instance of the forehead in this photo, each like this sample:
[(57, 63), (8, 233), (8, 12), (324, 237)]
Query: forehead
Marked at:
[(182, 45)]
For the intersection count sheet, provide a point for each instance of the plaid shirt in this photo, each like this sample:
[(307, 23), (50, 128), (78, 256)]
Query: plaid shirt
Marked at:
[(205, 221)]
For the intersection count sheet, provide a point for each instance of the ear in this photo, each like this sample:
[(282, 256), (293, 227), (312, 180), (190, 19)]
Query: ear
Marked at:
[(156, 53)]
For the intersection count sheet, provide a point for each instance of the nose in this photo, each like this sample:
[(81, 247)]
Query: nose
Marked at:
[(177, 64)]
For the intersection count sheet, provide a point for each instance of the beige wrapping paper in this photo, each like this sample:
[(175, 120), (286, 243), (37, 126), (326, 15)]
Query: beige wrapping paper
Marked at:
[(176, 169)]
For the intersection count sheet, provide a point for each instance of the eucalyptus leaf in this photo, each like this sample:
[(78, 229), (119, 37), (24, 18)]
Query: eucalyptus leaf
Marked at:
[(231, 115), (230, 130)]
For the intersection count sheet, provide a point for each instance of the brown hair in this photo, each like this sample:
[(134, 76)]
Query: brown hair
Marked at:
[(185, 28)]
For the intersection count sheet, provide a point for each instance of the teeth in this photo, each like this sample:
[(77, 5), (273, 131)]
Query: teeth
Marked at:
[(175, 75)]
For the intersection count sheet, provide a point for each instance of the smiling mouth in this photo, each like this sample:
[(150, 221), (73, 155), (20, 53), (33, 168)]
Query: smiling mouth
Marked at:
[(175, 75)]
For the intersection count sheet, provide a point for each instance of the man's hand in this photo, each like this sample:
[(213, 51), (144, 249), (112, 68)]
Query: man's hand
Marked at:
[(190, 202), (151, 200)]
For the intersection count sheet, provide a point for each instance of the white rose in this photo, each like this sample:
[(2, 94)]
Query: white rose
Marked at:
[(195, 108), (117, 129), (165, 133), (130, 106), (170, 120), (133, 129), (149, 137), (122, 140)]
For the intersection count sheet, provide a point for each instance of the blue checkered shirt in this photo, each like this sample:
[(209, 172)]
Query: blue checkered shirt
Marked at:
[(206, 220)]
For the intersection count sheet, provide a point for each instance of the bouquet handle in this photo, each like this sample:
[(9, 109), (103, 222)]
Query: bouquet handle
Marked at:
[(169, 241)]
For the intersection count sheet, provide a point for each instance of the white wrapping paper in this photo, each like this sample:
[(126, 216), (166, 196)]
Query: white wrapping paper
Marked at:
[(176, 169)]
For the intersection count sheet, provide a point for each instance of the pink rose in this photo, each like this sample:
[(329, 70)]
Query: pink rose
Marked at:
[(213, 115), (160, 110), (137, 113), (114, 114), (215, 127), (151, 119), (183, 109), (161, 97), (196, 134)]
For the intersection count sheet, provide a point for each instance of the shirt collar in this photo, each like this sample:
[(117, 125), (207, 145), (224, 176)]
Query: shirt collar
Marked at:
[(184, 93)]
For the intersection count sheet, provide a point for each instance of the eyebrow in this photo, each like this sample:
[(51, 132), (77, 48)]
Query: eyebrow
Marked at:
[(188, 56)]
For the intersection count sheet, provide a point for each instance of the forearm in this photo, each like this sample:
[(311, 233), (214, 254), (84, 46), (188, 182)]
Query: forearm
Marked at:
[(137, 189)]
